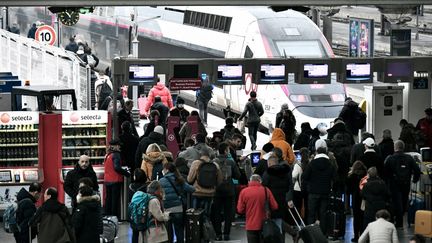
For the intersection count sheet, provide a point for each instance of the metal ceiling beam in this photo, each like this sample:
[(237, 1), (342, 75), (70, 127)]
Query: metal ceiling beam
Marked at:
[(209, 2)]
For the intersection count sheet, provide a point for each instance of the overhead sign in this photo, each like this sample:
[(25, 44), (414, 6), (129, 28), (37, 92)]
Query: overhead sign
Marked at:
[(84, 117), (361, 36), (46, 35), (184, 84), (19, 118)]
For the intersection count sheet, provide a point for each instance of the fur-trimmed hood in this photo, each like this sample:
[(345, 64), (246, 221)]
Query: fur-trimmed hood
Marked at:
[(154, 157), (92, 198)]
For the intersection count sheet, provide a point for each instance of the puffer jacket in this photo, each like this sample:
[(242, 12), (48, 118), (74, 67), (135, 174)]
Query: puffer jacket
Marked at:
[(87, 219), (278, 140), (171, 198), (149, 161), (159, 90)]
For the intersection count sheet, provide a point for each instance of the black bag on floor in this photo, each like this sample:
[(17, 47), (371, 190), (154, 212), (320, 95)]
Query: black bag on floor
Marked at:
[(309, 234), (335, 218), (110, 228), (193, 225), (270, 231)]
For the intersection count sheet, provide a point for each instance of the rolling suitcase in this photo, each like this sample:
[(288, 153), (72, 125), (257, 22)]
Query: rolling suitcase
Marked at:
[(141, 106), (423, 223), (193, 225), (310, 233), (335, 218)]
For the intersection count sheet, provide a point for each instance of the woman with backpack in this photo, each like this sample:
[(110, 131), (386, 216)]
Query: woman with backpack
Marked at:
[(175, 189), (139, 184)]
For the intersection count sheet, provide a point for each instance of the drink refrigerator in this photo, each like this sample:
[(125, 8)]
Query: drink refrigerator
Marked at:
[(67, 136), (21, 157)]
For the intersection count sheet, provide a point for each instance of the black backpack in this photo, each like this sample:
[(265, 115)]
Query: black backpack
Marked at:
[(105, 91), (207, 175), (359, 119), (402, 173), (226, 171)]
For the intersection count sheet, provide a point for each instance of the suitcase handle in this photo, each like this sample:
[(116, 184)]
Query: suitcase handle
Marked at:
[(295, 220)]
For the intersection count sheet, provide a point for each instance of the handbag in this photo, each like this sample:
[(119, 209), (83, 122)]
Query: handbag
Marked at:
[(157, 234)]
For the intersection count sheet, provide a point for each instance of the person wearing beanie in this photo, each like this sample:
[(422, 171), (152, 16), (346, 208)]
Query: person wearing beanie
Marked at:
[(254, 110), (319, 177), (229, 130), (266, 152), (180, 111), (156, 136), (162, 108)]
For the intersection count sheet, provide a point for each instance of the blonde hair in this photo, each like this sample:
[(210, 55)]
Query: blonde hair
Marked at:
[(153, 148)]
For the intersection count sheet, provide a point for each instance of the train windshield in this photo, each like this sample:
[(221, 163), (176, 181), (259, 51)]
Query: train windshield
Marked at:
[(310, 48)]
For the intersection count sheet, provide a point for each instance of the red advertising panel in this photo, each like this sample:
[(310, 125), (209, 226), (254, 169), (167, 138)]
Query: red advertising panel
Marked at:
[(184, 84)]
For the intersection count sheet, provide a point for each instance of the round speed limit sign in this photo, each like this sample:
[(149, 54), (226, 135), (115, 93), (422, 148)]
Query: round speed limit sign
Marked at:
[(46, 34)]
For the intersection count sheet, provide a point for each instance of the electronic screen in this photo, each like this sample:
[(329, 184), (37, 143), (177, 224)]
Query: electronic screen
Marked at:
[(297, 155), (316, 71), (141, 74), (399, 69), (255, 158), (5, 176), (420, 83), (271, 73), (426, 154), (186, 71), (358, 71), (230, 73)]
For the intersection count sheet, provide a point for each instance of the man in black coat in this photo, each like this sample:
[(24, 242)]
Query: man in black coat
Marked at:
[(82, 169), (25, 211), (163, 110), (157, 136), (128, 145), (125, 114), (387, 145), (371, 158), (358, 149)]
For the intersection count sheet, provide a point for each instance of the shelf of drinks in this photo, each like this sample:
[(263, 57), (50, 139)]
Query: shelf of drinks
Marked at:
[(85, 147), (84, 126), (30, 130), (19, 159), (75, 158), (19, 145), (84, 136)]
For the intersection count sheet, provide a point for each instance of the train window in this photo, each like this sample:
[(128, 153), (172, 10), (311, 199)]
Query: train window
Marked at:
[(211, 22), (309, 48), (248, 52), (320, 98), (217, 22)]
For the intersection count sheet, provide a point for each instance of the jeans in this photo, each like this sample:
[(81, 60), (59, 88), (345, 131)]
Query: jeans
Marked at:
[(222, 211), (203, 106), (252, 131), (254, 236), (177, 222), (112, 200), (203, 203), (317, 207)]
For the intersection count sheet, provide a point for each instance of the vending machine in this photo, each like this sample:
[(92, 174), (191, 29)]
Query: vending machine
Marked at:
[(84, 132), (21, 160)]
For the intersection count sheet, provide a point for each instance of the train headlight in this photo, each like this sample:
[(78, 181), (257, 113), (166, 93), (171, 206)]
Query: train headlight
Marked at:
[(299, 98)]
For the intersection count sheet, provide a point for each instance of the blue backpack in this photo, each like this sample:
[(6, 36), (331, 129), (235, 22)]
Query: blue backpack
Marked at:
[(138, 211)]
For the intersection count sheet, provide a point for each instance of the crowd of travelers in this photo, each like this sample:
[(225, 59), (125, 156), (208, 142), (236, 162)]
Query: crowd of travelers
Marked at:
[(302, 171)]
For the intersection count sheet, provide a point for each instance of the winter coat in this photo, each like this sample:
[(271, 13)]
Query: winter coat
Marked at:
[(172, 199), (407, 135), (255, 110), (348, 115), (72, 46), (190, 155), (149, 161), (278, 140), (391, 164), (186, 131), (154, 137), (157, 213), (54, 223), (183, 168), (287, 124), (205, 93), (123, 116), (303, 140), (379, 231), (227, 188), (425, 126), (128, 148), (182, 113), (136, 186), (113, 170), (353, 182), (319, 175), (386, 147), (251, 202), (370, 158), (278, 179), (163, 112), (358, 150), (71, 183), (159, 90), (193, 178), (341, 149), (87, 219), (376, 196), (25, 211)]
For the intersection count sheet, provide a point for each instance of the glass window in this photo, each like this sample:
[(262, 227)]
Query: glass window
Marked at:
[(304, 48)]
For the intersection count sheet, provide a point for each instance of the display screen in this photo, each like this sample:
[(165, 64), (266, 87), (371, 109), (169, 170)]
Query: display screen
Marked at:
[(399, 69), (421, 83), (255, 158), (141, 74), (272, 73), (316, 70), (298, 155), (358, 71), (186, 71), (5, 176), (230, 73)]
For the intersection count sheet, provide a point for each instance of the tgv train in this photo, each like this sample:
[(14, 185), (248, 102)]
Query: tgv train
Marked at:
[(229, 32)]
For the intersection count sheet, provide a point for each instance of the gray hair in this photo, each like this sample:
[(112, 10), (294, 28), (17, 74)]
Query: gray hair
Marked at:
[(256, 177), (399, 145)]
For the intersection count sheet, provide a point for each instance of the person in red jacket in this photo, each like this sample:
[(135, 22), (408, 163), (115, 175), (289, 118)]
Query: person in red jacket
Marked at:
[(159, 90), (113, 178), (425, 126), (251, 202)]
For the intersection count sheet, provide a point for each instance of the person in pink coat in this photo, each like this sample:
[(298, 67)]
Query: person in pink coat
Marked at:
[(159, 90)]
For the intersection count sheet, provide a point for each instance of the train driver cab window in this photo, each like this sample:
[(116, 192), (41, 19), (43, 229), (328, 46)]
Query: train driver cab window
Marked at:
[(248, 52), (303, 49)]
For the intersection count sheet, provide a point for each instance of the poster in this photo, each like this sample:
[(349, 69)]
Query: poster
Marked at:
[(361, 34)]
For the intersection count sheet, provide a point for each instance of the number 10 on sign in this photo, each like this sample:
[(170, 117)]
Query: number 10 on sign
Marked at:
[(46, 34)]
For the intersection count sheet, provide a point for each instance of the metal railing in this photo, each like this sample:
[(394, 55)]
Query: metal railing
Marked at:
[(45, 65)]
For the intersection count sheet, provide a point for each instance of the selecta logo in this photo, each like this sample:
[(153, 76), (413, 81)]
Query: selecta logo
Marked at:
[(74, 117), (5, 118)]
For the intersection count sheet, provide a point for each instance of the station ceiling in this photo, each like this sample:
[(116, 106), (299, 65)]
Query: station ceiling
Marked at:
[(209, 2)]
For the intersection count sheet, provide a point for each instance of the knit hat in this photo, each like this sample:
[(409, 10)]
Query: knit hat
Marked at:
[(180, 100), (159, 129), (320, 143)]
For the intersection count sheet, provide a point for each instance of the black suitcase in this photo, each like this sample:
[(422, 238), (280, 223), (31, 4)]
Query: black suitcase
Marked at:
[(309, 234), (193, 225), (335, 218)]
